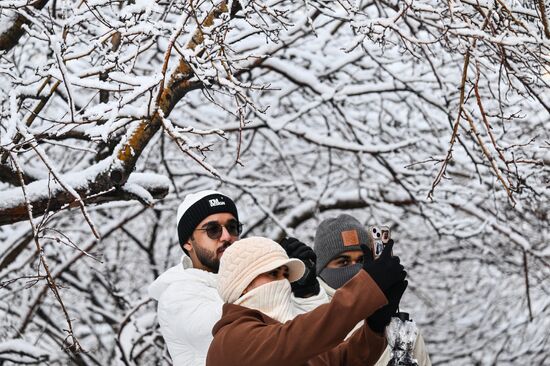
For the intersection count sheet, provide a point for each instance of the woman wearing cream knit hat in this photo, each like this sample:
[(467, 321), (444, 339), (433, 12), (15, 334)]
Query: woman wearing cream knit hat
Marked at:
[(259, 325)]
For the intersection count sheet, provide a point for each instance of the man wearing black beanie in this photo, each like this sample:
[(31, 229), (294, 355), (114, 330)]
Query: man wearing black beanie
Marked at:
[(208, 222), (188, 301)]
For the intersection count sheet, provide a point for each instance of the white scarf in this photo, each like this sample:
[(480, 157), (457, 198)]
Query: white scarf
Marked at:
[(273, 299)]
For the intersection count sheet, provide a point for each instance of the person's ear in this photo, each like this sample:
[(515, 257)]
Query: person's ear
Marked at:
[(188, 246)]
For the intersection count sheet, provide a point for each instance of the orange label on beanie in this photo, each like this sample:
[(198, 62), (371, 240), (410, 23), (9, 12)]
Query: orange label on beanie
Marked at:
[(350, 238)]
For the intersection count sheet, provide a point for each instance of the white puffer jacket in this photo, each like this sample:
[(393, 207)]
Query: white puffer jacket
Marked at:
[(189, 306)]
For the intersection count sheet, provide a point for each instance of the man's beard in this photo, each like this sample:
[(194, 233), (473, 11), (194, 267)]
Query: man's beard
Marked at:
[(209, 259)]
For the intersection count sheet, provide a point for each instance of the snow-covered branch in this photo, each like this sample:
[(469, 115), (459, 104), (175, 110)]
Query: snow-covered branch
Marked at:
[(298, 110)]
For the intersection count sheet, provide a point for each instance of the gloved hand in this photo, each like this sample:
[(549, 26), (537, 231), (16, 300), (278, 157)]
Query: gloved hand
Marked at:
[(386, 271), (382, 317), (308, 285)]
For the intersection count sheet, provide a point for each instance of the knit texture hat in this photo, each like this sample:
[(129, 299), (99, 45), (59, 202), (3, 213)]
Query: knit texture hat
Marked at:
[(197, 206), (337, 235), (247, 258)]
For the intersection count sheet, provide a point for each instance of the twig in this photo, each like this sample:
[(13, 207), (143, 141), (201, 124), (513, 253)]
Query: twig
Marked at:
[(167, 167), (485, 120), (527, 289), (74, 346), (454, 135), (511, 14), (487, 154), (241, 115), (68, 188), (167, 55), (69, 243), (34, 113), (180, 142), (543, 18), (461, 109), (33, 304), (123, 324), (65, 76)]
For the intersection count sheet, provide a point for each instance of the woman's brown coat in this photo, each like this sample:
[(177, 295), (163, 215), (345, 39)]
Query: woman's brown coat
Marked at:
[(247, 337)]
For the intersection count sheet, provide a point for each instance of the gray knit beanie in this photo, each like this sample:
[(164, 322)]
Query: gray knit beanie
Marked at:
[(337, 235)]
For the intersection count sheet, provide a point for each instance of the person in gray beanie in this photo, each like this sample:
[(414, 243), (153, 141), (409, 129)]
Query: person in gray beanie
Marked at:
[(338, 247), (340, 244)]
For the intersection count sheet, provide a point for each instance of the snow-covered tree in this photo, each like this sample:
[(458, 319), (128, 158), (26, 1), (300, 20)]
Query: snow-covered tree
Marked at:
[(430, 116)]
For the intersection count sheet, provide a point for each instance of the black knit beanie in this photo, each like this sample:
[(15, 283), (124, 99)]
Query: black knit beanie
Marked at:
[(196, 206)]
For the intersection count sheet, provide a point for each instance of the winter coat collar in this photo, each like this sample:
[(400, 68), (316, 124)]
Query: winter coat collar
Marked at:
[(183, 271)]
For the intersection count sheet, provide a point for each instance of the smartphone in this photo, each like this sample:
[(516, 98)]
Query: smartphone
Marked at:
[(379, 236)]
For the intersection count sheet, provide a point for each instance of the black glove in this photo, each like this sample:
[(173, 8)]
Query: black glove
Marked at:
[(308, 285), (382, 317), (386, 271)]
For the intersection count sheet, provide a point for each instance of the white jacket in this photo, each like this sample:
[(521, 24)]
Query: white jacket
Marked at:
[(189, 306)]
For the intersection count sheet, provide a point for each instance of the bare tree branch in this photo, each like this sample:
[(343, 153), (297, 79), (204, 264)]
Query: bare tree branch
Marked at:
[(10, 37)]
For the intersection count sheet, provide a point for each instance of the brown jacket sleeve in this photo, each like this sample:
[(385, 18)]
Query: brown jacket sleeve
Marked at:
[(317, 336), (362, 348)]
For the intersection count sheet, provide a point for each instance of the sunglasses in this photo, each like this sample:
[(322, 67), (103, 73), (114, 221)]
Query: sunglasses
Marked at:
[(214, 229)]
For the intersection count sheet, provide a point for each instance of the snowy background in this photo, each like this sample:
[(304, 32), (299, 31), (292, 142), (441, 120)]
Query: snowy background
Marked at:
[(431, 117)]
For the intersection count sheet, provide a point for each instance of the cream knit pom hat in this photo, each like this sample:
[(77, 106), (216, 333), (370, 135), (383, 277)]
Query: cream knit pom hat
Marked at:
[(247, 258)]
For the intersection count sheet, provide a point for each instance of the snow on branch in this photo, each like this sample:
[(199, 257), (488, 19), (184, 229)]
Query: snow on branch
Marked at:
[(92, 185), (12, 23), (22, 352), (308, 209), (297, 110)]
